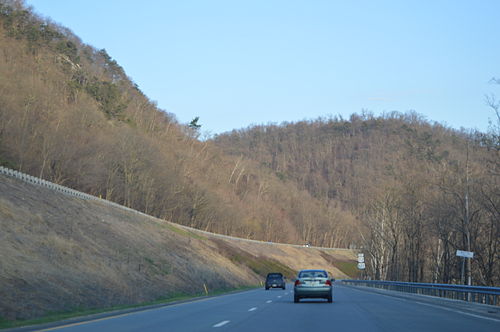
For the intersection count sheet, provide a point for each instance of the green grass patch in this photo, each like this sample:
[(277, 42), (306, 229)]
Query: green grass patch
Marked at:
[(263, 266), (230, 290), (184, 232), (58, 316), (349, 268), (260, 265)]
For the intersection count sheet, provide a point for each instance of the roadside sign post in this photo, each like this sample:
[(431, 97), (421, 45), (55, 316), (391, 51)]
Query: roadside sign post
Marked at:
[(361, 258), (464, 254), (361, 262)]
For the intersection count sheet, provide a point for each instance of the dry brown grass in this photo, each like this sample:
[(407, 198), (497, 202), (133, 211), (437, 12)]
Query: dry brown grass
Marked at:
[(60, 253)]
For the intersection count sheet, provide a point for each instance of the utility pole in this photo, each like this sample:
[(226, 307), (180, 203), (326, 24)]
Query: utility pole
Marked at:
[(466, 219)]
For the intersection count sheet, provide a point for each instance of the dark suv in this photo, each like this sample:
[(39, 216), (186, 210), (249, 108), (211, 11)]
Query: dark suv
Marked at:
[(275, 280)]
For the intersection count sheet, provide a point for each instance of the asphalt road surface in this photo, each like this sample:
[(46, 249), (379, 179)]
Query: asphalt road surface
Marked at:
[(353, 309)]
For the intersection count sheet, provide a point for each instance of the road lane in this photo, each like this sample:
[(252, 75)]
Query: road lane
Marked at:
[(193, 316), (274, 310), (358, 310)]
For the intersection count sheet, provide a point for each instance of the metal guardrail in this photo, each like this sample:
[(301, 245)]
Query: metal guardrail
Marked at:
[(477, 294), (31, 179), (68, 191), (56, 187)]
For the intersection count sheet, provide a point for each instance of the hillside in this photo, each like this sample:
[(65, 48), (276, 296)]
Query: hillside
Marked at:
[(416, 191), (408, 191), (347, 161), (70, 114), (61, 253)]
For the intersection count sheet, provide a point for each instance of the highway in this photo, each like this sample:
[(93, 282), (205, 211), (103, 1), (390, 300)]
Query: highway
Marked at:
[(353, 309)]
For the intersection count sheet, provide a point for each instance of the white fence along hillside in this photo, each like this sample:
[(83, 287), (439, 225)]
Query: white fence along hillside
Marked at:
[(68, 191)]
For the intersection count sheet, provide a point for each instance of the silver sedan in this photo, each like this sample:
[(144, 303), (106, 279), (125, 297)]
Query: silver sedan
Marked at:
[(312, 284)]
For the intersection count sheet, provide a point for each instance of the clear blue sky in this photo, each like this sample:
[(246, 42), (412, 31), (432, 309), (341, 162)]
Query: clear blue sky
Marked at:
[(234, 63)]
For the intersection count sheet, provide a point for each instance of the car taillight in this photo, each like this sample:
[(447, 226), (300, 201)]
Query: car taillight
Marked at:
[(328, 282), (297, 282)]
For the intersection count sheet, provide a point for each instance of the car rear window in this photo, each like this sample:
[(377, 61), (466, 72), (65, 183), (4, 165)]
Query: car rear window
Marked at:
[(313, 274), (274, 275)]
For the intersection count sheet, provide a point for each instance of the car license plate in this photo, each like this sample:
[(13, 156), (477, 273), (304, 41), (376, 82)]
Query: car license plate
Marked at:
[(274, 285)]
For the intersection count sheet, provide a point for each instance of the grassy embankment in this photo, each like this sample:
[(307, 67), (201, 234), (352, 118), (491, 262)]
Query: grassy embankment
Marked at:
[(64, 257)]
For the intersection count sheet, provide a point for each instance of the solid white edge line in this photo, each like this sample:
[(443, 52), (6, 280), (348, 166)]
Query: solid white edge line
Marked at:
[(434, 306), (224, 322), (458, 311), (252, 309)]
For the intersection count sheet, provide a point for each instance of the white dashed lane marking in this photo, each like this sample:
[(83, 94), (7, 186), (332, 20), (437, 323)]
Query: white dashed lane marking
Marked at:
[(224, 322), (269, 301), (252, 309)]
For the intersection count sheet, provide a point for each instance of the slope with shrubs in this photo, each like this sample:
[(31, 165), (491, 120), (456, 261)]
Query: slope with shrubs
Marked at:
[(61, 254), (69, 114)]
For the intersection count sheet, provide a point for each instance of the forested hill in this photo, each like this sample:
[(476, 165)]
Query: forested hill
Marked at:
[(350, 162), (394, 184), (404, 179), (70, 114)]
